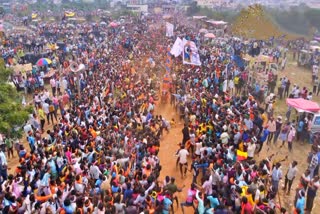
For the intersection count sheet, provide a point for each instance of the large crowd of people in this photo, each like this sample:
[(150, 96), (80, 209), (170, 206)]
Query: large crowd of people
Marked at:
[(94, 137)]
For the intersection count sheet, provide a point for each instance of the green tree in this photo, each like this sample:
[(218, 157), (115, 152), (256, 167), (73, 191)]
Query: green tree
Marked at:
[(1, 10), (193, 8), (13, 114)]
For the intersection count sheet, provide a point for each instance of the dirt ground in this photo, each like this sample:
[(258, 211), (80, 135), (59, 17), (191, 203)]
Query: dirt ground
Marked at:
[(169, 146), (170, 140)]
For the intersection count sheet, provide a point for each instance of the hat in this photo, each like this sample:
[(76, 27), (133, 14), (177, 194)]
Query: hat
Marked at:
[(279, 118)]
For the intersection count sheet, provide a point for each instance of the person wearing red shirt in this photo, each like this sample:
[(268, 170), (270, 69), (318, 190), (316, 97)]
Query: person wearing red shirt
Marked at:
[(246, 207)]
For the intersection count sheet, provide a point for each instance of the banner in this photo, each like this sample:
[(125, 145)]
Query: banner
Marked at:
[(169, 29), (241, 155), (190, 53), (177, 48)]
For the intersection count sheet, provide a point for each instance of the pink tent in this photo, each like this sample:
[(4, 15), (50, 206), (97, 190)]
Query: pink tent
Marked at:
[(303, 105), (210, 35)]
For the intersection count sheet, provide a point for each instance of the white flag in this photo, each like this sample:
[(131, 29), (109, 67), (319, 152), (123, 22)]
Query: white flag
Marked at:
[(169, 29), (177, 48)]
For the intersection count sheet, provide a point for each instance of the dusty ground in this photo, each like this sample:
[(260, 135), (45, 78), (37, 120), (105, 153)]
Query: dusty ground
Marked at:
[(169, 145)]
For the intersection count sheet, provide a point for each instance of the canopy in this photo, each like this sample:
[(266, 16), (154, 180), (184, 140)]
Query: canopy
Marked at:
[(210, 35), (314, 47), (214, 22), (202, 30), (303, 105), (199, 17)]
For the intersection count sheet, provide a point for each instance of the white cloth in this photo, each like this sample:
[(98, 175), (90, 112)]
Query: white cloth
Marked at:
[(3, 159), (251, 149), (292, 172), (183, 154)]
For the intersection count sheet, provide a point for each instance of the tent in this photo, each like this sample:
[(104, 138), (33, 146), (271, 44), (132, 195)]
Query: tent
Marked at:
[(199, 17), (214, 22), (302, 105)]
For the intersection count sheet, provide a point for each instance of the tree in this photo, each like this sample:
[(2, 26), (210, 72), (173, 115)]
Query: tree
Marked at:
[(193, 8), (1, 11), (13, 114)]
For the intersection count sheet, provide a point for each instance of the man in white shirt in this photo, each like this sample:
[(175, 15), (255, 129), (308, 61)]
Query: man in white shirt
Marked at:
[(251, 149), (3, 165), (315, 71), (45, 107), (64, 84), (183, 161), (276, 176), (291, 174), (224, 137), (94, 172)]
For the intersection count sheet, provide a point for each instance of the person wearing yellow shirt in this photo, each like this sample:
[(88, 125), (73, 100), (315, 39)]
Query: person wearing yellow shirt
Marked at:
[(264, 118), (42, 117)]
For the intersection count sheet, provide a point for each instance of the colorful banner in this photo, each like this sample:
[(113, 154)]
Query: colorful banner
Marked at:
[(177, 48), (241, 155), (169, 29), (190, 53)]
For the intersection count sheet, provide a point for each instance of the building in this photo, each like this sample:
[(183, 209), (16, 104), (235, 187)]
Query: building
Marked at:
[(209, 3), (138, 8)]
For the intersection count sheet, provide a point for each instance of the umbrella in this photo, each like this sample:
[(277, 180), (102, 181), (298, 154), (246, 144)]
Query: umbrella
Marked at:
[(43, 61), (69, 14), (113, 24), (210, 35), (103, 23), (203, 30)]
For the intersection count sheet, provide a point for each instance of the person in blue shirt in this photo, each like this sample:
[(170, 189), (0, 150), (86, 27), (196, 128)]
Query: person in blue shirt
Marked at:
[(201, 207), (53, 168), (31, 141), (166, 205), (214, 201), (68, 208), (263, 138), (300, 202), (127, 193), (300, 129)]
